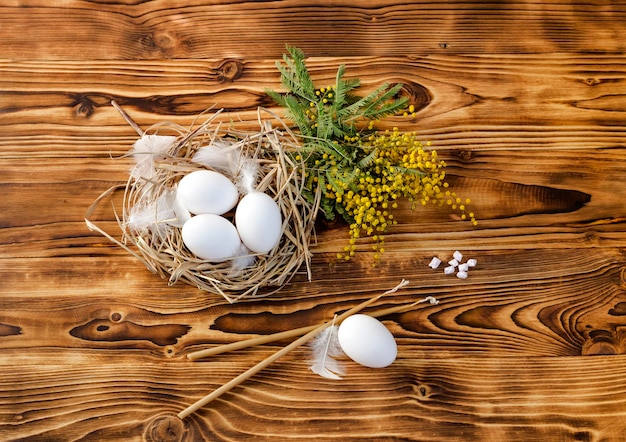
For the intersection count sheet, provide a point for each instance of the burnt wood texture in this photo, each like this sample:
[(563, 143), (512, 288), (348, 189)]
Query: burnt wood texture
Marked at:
[(525, 101)]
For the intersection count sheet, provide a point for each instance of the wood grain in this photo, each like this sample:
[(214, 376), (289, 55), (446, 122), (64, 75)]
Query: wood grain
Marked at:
[(161, 29), (465, 103), (497, 312), (470, 399), (524, 100)]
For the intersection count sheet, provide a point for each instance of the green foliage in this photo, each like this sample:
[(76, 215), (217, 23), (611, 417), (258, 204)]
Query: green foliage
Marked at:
[(334, 112), (331, 121), (357, 171)]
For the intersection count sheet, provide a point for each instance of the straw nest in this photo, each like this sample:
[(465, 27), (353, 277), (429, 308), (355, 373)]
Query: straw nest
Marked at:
[(148, 227)]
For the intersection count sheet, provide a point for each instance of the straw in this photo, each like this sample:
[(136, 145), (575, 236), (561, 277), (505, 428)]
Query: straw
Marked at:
[(280, 175)]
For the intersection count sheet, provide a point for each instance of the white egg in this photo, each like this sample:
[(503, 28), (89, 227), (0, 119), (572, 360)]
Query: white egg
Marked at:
[(206, 191), (367, 341), (211, 237), (259, 222)]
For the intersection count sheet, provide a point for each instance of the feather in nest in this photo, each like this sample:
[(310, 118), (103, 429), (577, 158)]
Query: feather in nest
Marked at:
[(221, 155), (146, 150), (325, 348), (226, 157), (158, 215)]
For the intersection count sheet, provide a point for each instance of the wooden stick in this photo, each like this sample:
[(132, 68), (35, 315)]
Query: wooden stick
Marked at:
[(288, 334), (264, 363), (402, 308), (251, 342), (127, 118)]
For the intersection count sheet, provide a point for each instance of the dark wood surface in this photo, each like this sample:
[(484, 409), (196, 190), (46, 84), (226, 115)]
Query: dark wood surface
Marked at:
[(526, 101)]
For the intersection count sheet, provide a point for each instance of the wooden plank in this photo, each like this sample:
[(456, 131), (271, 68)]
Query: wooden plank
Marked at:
[(464, 103), (195, 29), (530, 399), (524, 100), (515, 303), (521, 200)]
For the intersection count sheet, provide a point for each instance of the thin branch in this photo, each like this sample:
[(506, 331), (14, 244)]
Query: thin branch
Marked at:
[(127, 118)]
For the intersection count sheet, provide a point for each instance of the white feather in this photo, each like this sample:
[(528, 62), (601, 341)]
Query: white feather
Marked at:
[(243, 259), (226, 157), (148, 148), (324, 348), (157, 216), (221, 155), (247, 176)]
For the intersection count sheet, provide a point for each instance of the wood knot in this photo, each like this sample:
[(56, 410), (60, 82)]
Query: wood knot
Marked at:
[(10, 330), (165, 428), (164, 40), (169, 351), (84, 106), (591, 81), (417, 95), (105, 330), (423, 391), (159, 41), (230, 70), (464, 154), (591, 238), (601, 342)]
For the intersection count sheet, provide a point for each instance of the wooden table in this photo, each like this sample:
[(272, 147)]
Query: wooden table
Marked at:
[(524, 100)]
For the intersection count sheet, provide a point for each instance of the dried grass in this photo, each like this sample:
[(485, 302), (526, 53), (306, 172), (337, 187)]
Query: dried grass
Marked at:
[(161, 248)]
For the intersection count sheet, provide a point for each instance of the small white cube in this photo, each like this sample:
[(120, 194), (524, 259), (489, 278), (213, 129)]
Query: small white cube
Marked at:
[(472, 262), (449, 270), (463, 267), (462, 275), (434, 263), (453, 263), (458, 256)]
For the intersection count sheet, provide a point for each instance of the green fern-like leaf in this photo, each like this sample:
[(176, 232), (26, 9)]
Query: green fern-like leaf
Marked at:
[(295, 75), (384, 104), (337, 119), (297, 114), (376, 105), (305, 82), (367, 160), (327, 207)]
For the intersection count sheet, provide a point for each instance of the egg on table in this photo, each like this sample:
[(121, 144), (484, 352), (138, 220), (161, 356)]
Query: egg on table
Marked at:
[(259, 222), (206, 191), (211, 237), (367, 341)]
